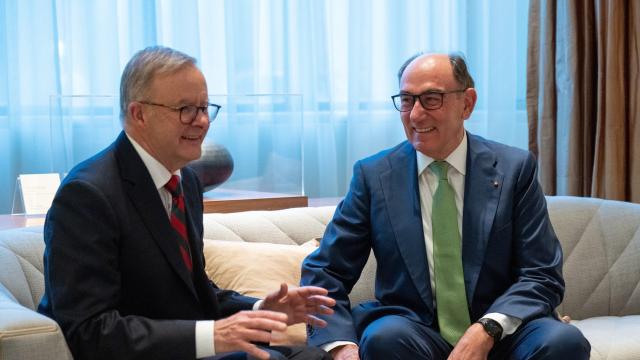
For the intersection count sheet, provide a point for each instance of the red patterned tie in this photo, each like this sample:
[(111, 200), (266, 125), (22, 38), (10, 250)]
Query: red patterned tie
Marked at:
[(178, 218)]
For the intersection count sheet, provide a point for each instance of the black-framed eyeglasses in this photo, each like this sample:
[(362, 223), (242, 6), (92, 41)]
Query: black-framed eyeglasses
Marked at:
[(189, 113), (430, 100)]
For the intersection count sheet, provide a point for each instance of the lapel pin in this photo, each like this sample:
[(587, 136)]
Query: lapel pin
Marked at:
[(495, 183)]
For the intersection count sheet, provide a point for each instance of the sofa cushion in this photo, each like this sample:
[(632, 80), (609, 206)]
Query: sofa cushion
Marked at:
[(288, 226), (22, 266), (601, 244), (25, 334), (612, 337), (256, 269)]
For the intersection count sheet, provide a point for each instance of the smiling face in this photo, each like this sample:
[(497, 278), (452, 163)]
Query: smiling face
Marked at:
[(159, 130), (435, 133)]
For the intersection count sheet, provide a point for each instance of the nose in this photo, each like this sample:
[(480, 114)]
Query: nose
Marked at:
[(202, 118), (417, 110)]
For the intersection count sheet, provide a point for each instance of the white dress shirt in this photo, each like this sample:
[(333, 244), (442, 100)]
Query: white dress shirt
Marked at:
[(428, 183), (160, 175)]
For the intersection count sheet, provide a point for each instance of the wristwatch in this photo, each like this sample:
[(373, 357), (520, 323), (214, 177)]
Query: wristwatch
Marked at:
[(492, 327)]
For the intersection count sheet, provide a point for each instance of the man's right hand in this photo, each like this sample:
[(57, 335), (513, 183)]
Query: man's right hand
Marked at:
[(345, 352), (237, 332)]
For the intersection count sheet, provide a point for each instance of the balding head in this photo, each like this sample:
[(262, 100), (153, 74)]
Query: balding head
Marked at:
[(458, 67)]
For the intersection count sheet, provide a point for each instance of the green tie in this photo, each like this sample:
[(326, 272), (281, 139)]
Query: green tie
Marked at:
[(451, 299)]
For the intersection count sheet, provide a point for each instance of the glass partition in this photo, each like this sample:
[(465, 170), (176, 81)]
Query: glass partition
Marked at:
[(263, 134), (254, 148)]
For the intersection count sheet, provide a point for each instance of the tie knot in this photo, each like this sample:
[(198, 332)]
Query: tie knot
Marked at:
[(173, 185), (440, 168)]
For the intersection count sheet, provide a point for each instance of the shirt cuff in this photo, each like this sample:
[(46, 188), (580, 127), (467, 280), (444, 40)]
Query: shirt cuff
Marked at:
[(332, 345), (257, 304), (509, 323), (205, 345)]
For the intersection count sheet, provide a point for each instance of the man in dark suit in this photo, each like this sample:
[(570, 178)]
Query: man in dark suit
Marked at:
[(468, 265), (124, 266)]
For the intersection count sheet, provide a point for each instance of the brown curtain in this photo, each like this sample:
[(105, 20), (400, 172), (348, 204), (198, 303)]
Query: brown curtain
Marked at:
[(583, 99)]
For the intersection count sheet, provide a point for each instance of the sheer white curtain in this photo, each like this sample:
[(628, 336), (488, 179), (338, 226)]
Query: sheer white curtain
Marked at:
[(341, 56)]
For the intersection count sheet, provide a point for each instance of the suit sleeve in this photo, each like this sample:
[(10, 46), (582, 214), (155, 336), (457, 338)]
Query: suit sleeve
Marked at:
[(84, 284), (538, 285), (336, 265)]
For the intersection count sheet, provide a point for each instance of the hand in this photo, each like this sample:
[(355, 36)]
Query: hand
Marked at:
[(345, 352), (237, 332), (565, 319), (299, 303), (474, 344)]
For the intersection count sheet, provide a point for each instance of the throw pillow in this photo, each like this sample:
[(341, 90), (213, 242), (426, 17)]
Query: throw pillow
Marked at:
[(257, 269)]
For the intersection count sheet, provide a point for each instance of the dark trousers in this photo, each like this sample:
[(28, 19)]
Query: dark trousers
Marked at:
[(397, 337), (281, 353)]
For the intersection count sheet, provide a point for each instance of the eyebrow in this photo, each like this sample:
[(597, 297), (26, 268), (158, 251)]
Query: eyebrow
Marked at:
[(185, 102), (404, 92)]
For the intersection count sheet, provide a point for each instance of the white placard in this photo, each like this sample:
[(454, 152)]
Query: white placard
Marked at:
[(38, 191)]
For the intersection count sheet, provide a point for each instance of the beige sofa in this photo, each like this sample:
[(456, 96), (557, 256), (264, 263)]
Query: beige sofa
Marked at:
[(601, 242)]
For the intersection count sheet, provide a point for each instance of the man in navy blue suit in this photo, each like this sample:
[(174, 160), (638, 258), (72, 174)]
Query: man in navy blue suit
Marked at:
[(468, 264), (124, 265)]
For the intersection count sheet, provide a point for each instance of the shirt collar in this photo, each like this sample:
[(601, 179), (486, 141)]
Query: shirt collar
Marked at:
[(159, 174), (457, 159)]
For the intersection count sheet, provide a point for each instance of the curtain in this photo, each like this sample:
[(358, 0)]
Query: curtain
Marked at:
[(341, 57), (582, 96)]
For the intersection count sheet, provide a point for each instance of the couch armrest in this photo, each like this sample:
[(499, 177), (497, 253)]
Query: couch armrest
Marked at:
[(26, 334)]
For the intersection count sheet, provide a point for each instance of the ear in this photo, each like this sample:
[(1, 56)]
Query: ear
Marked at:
[(470, 98), (134, 113)]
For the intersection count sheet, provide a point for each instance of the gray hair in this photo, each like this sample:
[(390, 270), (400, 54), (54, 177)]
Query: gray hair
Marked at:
[(141, 69), (458, 64)]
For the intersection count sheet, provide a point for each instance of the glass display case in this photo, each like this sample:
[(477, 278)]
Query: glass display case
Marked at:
[(264, 136), (252, 155)]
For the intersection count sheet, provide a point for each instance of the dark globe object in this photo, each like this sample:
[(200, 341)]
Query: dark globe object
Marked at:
[(214, 166)]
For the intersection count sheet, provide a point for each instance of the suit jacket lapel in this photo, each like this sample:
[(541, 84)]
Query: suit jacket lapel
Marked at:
[(483, 183), (144, 196), (400, 186)]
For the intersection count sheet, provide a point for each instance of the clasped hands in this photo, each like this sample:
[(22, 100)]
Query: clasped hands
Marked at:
[(287, 306)]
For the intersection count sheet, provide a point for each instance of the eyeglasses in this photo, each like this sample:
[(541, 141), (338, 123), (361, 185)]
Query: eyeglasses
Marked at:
[(189, 113), (430, 100)]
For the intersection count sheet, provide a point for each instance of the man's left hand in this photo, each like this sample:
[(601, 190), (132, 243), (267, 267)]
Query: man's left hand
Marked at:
[(474, 344), (300, 303)]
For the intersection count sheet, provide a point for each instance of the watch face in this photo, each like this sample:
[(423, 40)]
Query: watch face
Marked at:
[(492, 328)]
